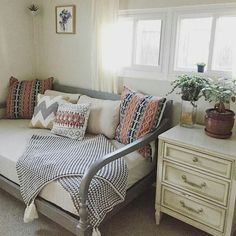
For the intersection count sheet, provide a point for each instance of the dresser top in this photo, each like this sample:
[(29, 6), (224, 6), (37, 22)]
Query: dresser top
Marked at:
[(196, 137)]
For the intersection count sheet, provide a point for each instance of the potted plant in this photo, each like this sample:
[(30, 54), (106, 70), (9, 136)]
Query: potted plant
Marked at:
[(190, 87), (33, 9), (219, 121), (201, 67)]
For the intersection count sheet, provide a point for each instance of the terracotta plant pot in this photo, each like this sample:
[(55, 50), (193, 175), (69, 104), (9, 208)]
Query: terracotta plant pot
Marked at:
[(219, 125)]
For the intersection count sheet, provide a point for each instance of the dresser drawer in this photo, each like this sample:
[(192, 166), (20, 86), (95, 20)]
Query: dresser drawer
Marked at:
[(198, 160), (211, 188), (193, 208)]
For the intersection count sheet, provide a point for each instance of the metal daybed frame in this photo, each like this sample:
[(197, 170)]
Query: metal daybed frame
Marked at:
[(80, 225)]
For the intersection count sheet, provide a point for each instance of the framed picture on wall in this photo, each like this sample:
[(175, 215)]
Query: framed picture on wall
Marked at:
[(65, 19)]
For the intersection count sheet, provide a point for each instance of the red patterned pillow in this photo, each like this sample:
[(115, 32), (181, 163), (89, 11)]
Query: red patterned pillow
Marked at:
[(22, 97), (71, 120), (139, 115)]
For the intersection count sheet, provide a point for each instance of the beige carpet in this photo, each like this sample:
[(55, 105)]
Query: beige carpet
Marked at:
[(136, 220)]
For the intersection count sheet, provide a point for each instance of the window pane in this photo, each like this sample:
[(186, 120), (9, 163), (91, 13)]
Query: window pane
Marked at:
[(125, 42), (193, 42), (224, 43), (148, 37)]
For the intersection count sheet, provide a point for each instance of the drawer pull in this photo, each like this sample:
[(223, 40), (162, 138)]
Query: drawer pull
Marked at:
[(202, 185), (190, 208), (195, 159)]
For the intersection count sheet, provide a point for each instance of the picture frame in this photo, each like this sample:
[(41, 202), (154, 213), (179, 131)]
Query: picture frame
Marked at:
[(65, 19)]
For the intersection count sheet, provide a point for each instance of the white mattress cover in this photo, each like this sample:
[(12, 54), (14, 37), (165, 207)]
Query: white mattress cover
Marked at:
[(14, 135)]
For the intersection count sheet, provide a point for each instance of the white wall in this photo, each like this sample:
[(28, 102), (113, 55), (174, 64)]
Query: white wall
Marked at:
[(65, 57), (162, 87), (16, 43), (28, 49)]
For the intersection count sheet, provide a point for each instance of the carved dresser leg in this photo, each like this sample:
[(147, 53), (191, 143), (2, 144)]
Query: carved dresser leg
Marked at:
[(158, 215)]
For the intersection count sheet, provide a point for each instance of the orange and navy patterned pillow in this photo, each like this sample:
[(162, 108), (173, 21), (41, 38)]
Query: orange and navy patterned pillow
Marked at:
[(139, 115), (22, 97), (71, 120)]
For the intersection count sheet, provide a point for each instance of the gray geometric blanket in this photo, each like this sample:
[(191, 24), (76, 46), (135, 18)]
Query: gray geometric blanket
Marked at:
[(49, 158)]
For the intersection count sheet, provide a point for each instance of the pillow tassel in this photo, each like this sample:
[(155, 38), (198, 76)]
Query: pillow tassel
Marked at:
[(30, 213), (96, 232)]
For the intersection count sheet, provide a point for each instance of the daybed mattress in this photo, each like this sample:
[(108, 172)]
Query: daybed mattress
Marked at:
[(14, 136)]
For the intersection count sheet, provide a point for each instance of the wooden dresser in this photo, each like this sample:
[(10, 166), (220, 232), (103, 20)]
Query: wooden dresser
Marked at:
[(196, 179)]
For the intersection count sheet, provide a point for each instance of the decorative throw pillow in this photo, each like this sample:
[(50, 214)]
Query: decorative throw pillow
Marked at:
[(73, 97), (104, 116), (45, 111), (71, 120), (139, 115), (22, 97)]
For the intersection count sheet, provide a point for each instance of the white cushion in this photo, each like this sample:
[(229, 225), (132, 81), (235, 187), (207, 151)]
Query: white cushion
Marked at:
[(15, 133), (73, 98), (104, 116)]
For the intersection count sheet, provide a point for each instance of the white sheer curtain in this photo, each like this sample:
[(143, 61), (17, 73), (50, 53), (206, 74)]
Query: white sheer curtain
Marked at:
[(104, 46)]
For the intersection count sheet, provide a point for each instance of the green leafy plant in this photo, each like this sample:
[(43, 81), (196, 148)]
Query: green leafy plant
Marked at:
[(190, 87), (221, 92), (33, 7)]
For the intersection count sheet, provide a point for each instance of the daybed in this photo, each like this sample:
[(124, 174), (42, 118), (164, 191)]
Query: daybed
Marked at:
[(53, 201)]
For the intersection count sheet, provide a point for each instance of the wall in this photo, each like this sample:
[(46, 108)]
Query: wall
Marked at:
[(65, 57), (162, 87), (16, 43)]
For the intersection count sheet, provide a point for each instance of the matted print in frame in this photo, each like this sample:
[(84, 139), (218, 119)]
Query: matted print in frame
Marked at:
[(65, 19)]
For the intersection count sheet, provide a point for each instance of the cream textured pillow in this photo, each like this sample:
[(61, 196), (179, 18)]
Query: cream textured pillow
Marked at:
[(73, 98), (104, 116), (71, 120), (45, 111)]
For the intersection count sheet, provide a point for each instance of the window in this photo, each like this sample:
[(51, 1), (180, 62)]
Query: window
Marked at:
[(224, 43), (140, 42), (160, 43), (209, 39), (193, 42), (147, 38)]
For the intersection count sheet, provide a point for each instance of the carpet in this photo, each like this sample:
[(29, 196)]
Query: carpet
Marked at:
[(135, 220)]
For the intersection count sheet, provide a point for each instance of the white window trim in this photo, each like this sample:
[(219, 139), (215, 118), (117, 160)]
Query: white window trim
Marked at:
[(213, 10), (176, 24), (170, 21), (143, 71)]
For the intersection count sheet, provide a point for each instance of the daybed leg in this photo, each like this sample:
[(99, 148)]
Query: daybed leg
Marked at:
[(83, 228)]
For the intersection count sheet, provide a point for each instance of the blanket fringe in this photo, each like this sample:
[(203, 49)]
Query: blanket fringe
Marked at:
[(30, 213), (96, 232)]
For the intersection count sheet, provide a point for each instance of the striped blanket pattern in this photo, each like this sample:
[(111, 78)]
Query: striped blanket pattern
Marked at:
[(49, 158)]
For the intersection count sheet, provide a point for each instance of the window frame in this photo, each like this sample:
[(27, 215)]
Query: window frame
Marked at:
[(215, 11), (169, 16), (187, 16), (217, 16), (135, 70)]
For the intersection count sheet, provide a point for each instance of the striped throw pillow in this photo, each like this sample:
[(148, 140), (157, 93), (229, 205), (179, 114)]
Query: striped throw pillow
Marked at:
[(139, 115), (22, 97)]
